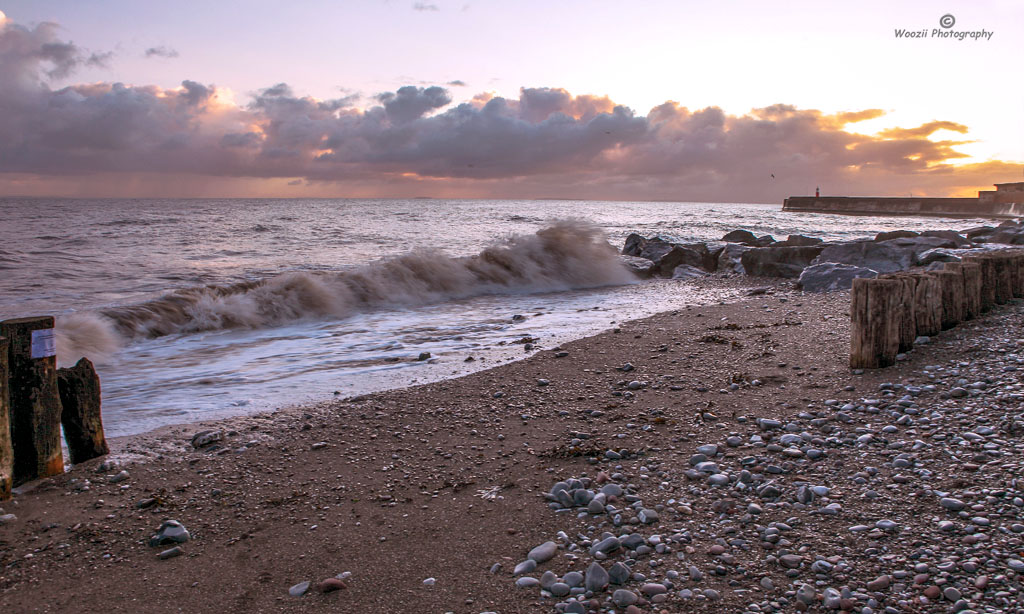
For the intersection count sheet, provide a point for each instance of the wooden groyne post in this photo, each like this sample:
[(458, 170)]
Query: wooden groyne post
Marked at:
[(6, 452), (888, 312), (80, 401), (874, 323), (33, 398)]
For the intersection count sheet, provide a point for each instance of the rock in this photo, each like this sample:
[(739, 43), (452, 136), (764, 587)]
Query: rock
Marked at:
[(878, 584), (1007, 236), (560, 589), (798, 241), (831, 598), (619, 573), (299, 589), (7, 519), (543, 553), (430, 582), (606, 546), (883, 257), (831, 276), (623, 598), (740, 236), (647, 516), (685, 271), (330, 585), (205, 438), (791, 561), (952, 504), (525, 567), (596, 579), (170, 532), (119, 477), (935, 255), (547, 579), (641, 267), (170, 553), (423, 356), (729, 259), (527, 582), (895, 234), (786, 262), (949, 235), (652, 588)]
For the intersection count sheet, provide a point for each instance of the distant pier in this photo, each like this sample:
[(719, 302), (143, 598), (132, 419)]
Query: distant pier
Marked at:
[(1006, 201)]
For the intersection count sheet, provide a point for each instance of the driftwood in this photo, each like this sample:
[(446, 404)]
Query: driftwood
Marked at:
[(34, 401), (80, 400)]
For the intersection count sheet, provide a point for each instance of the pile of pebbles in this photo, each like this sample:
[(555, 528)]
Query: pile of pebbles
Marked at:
[(907, 500)]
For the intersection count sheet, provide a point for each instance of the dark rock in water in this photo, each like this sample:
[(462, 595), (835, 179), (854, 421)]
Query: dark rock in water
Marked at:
[(920, 244), (1008, 236), (935, 255), (798, 241), (978, 232), (685, 271), (641, 267), (895, 234), (740, 236), (830, 276), (729, 258), (778, 261), (951, 235), (634, 243), (764, 241), (883, 256)]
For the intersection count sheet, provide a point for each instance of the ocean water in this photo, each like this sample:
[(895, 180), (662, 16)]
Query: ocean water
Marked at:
[(195, 309)]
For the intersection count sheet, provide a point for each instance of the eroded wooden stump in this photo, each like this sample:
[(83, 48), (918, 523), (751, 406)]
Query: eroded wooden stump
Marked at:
[(951, 287), (80, 400), (34, 400), (927, 305), (6, 451), (874, 322)]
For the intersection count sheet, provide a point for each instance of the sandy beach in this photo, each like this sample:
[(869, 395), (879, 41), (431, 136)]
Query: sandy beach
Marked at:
[(413, 496)]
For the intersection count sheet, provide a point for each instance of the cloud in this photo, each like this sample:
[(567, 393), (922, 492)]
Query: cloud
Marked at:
[(542, 142), (420, 6), (456, 83), (161, 52)]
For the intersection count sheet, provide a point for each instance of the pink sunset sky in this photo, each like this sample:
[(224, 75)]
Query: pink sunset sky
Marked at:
[(690, 101)]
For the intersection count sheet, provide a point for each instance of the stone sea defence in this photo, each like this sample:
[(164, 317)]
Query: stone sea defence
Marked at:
[(818, 266), (1006, 201)]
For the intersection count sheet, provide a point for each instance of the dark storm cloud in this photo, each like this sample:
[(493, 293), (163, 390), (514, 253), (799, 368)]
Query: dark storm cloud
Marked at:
[(161, 52), (546, 141)]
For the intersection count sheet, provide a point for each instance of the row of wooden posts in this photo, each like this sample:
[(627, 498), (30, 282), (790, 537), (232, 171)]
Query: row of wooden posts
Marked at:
[(889, 312), (37, 399)]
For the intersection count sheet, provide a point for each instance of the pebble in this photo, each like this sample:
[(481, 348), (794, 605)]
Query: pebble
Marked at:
[(299, 589)]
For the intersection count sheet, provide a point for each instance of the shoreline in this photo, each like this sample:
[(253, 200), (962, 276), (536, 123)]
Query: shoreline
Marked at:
[(386, 486)]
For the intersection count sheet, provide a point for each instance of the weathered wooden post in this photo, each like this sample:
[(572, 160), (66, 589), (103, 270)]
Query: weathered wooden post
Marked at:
[(972, 288), (1004, 278), (34, 399), (988, 280), (958, 268), (80, 401), (874, 322), (905, 311), (1017, 272), (6, 452), (951, 287), (927, 305)]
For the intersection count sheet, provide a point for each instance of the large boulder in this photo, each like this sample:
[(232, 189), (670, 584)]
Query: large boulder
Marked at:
[(798, 241), (667, 254), (882, 256), (729, 259), (831, 276), (1009, 235), (895, 234), (740, 236), (685, 271), (641, 267), (978, 232), (935, 255), (778, 261), (634, 243), (952, 235)]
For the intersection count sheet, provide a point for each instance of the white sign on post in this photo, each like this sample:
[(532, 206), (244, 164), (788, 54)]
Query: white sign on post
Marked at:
[(44, 343)]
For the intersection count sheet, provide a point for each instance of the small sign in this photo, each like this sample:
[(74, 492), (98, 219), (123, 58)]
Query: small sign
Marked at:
[(44, 343)]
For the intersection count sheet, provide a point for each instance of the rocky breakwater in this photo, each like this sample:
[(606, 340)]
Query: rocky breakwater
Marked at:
[(818, 266)]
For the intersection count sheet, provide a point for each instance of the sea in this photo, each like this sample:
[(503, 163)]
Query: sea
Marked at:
[(206, 308)]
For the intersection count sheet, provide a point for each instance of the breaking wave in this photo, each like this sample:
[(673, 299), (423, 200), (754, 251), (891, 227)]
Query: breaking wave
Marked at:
[(568, 254)]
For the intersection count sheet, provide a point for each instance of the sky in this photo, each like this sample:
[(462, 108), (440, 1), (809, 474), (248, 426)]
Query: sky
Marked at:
[(727, 101)]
